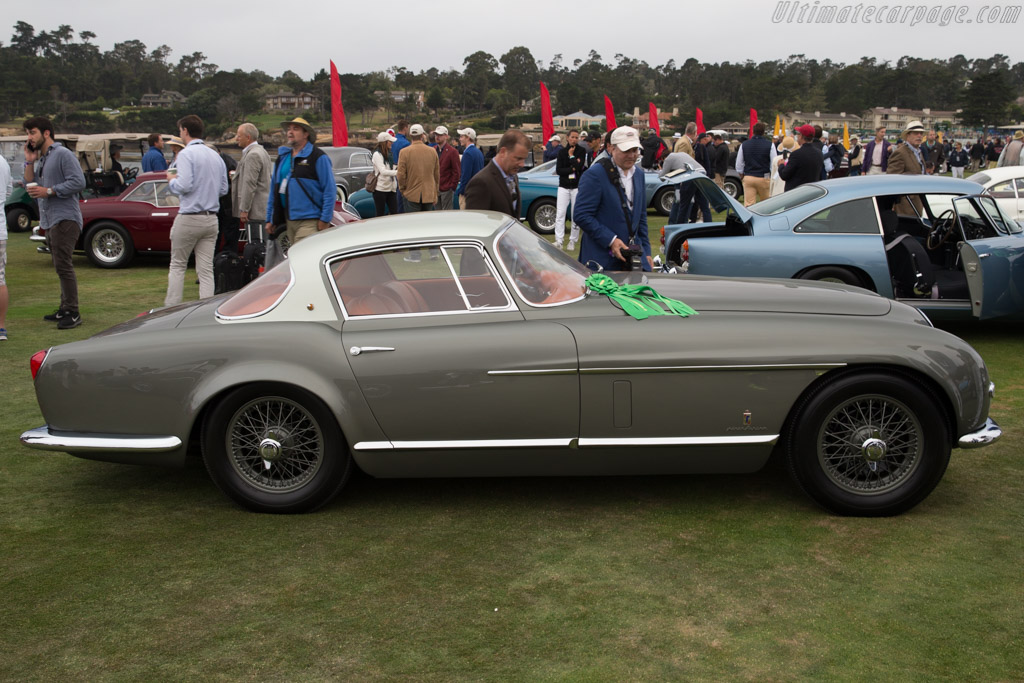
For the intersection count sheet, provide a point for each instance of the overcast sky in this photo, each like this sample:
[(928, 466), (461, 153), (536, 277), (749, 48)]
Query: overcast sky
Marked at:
[(368, 36)]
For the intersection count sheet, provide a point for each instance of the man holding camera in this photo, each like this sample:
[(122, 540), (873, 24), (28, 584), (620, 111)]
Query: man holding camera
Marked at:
[(611, 208)]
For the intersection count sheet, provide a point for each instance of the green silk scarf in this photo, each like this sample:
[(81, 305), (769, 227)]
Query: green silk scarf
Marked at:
[(639, 301)]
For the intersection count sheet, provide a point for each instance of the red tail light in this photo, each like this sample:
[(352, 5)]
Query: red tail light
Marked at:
[(663, 235), (37, 361)]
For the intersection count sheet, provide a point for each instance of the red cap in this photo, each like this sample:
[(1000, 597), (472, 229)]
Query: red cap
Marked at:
[(806, 130)]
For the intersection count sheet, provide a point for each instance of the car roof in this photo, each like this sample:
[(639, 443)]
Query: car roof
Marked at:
[(871, 185), (997, 175), (411, 227)]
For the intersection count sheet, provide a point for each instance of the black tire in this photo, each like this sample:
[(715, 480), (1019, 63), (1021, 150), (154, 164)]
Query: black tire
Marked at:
[(733, 188), (833, 274), (275, 448), (868, 444), (542, 215), (108, 245), (663, 201), (19, 219)]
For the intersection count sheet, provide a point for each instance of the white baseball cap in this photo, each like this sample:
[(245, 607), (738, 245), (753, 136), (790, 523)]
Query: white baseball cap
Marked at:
[(440, 130), (554, 137), (626, 138), (417, 129), (385, 135), (468, 132)]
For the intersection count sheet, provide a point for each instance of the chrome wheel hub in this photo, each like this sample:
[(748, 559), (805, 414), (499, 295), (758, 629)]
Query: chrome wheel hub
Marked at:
[(870, 444), (275, 444)]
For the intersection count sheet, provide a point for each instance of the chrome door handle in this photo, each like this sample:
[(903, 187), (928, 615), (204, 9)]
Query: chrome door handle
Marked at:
[(356, 350), (981, 256)]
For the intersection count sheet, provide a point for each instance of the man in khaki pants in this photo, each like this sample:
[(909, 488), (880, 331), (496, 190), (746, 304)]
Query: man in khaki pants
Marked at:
[(754, 163), (418, 172), (302, 189)]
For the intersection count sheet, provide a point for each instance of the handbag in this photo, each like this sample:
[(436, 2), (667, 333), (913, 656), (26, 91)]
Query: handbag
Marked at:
[(371, 181)]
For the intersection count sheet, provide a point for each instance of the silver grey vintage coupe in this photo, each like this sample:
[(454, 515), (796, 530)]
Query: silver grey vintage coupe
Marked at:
[(462, 344)]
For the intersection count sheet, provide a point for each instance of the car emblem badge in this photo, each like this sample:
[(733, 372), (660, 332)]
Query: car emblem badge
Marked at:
[(746, 418)]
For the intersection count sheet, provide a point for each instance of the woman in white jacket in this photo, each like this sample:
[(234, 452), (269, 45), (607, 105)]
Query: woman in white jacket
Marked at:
[(778, 185), (386, 192)]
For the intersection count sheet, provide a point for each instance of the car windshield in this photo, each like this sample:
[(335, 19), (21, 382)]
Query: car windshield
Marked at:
[(1000, 219), (787, 200), (546, 167), (542, 274)]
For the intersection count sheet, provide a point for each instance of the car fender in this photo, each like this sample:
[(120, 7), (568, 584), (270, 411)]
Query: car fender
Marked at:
[(788, 256)]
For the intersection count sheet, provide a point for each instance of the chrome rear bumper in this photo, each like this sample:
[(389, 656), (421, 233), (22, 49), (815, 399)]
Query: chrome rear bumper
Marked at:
[(989, 433), (72, 442)]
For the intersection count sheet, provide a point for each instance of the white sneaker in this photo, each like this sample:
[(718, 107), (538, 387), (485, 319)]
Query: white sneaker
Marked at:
[(558, 245), (572, 245)]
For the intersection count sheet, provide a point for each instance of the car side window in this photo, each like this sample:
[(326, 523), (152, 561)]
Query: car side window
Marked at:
[(164, 196), (143, 193), (1003, 190), (857, 216), (360, 161), (448, 279)]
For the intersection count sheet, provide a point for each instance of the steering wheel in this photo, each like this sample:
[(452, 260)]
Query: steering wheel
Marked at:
[(942, 229), (528, 280)]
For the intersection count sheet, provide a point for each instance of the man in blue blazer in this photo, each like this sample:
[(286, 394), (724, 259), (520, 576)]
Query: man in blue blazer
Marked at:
[(612, 191)]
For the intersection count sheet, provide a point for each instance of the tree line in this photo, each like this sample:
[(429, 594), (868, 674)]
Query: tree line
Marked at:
[(63, 73)]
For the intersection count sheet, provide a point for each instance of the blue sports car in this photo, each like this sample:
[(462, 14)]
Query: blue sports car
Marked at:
[(934, 242), (539, 187)]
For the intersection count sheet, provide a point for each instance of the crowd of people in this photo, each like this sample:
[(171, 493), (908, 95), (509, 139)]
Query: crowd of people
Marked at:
[(600, 181)]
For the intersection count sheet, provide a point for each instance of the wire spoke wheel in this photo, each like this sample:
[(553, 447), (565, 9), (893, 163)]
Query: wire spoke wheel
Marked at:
[(870, 444), (274, 444)]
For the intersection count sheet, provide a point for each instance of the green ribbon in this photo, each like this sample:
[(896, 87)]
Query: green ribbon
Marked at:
[(639, 301)]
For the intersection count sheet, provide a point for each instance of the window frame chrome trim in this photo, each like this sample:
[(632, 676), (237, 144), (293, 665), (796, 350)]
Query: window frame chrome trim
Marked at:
[(581, 442), (462, 242)]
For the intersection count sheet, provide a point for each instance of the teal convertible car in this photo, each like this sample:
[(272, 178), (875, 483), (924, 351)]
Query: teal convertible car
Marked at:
[(939, 244)]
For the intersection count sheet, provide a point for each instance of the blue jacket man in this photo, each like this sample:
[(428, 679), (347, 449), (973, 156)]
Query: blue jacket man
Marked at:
[(302, 188), (602, 206), (472, 162), (153, 159)]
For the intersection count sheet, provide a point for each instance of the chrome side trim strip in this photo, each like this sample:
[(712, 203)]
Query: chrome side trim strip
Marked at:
[(681, 441), (990, 432), (552, 371), (700, 368), (42, 439), (670, 368), (480, 443), (566, 443)]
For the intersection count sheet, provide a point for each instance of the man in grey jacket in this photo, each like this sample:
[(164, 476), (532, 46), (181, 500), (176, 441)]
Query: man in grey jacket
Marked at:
[(54, 178), (251, 185)]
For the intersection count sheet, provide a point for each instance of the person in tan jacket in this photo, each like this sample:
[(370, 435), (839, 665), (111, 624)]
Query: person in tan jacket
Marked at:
[(419, 173), (907, 159)]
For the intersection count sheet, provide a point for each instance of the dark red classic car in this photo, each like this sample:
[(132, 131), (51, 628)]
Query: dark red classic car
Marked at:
[(115, 229)]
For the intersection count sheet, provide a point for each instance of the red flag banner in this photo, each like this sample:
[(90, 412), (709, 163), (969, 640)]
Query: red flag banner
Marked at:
[(339, 129), (700, 121), (547, 122), (654, 119), (609, 114), (753, 122)]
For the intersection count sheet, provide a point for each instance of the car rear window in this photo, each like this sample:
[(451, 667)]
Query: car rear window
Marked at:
[(259, 296), (787, 200)]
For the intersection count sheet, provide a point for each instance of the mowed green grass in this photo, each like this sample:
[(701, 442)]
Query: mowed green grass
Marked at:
[(111, 572)]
